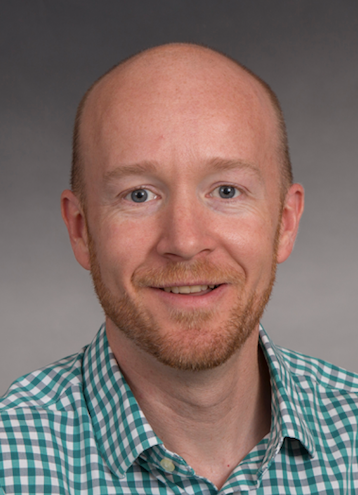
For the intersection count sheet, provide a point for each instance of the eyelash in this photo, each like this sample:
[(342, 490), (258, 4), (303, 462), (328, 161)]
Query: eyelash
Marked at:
[(240, 192)]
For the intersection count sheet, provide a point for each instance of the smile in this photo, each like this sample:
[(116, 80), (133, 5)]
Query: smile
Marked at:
[(189, 289), (202, 296)]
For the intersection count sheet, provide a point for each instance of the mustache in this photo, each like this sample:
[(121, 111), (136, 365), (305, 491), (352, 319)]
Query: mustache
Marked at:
[(185, 273)]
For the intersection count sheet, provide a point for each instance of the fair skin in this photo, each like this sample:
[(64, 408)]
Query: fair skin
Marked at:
[(181, 132)]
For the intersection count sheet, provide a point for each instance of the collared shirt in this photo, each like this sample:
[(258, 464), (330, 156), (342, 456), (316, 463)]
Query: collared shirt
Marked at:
[(75, 428)]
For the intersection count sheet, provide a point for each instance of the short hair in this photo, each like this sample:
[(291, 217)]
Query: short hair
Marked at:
[(77, 169)]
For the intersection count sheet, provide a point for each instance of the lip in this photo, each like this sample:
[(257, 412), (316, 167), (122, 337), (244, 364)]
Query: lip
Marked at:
[(191, 301), (186, 284)]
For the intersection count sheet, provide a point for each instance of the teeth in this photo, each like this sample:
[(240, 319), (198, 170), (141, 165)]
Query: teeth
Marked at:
[(188, 289)]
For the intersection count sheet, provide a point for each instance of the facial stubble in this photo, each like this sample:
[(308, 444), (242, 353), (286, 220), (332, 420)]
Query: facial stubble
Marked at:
[(190, 343)]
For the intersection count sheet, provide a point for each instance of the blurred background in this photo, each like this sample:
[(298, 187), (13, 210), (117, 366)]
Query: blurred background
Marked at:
[(51, 51)]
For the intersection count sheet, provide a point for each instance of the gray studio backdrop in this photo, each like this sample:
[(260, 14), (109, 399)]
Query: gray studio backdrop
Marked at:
[(51, 51)]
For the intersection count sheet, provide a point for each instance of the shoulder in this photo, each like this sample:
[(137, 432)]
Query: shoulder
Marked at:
[(43, 423), (316, 373), (45, 387)]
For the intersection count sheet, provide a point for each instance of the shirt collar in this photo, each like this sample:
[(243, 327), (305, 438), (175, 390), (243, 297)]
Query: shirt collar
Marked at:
[(123, 433), (287, 406), (121, 430)]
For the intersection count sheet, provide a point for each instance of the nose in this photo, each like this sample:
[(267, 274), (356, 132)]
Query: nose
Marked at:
[(185, 230)]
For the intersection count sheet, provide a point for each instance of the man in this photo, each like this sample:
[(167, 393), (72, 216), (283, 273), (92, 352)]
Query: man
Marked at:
[(182, 204)]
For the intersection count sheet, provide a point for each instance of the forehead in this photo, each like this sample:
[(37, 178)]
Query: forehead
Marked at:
[(176, 107)]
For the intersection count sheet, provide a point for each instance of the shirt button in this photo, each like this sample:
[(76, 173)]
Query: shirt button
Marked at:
[(167, 464)]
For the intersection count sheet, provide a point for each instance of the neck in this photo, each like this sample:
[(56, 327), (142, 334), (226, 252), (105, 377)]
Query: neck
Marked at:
[(212, 418)]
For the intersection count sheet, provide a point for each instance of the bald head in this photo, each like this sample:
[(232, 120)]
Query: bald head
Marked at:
[(182, 77)]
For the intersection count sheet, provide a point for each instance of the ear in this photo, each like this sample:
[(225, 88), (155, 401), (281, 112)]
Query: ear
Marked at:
[(74, 218), (291, 214)]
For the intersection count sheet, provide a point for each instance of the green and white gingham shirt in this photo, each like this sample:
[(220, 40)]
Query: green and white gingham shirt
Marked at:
[(75, 428)]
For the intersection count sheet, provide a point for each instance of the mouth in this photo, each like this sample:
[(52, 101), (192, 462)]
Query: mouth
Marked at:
[(189, 297), (190, 289)]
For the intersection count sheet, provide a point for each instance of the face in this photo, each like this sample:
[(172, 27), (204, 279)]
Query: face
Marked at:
[(183, 215)]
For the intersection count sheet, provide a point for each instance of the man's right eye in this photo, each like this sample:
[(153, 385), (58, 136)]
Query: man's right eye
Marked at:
[(140, 195)]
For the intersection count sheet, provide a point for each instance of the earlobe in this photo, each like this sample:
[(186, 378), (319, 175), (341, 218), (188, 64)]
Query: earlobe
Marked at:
[(74, 218), (291, 215)]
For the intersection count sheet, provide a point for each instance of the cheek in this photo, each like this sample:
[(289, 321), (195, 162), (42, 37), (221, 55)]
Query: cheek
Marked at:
[(251, 244), (122, 246)]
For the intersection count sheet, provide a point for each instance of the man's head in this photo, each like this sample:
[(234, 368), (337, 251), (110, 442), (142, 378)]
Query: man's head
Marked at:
[(283, 156), (182, 181)]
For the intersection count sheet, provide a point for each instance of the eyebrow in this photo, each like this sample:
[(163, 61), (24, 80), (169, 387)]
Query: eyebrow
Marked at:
[(213, 166), (222, 165), (133, 169)]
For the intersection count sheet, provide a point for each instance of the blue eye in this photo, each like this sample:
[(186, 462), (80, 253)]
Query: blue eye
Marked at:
[(227, 192), (140, 195)]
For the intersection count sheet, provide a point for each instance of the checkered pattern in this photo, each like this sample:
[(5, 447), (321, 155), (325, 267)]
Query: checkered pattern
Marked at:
[(75, 428)]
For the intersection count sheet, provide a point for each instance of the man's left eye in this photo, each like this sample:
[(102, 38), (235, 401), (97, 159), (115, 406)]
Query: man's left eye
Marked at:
[(226, 192), (140, 195)]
